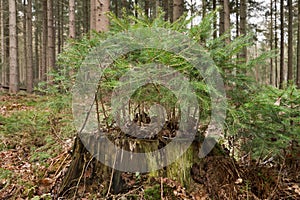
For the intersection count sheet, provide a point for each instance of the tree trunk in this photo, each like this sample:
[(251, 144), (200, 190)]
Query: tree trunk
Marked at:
[(13, 63), (215, 20), (37, 42), (290, 42), (276, 45), (86, 18), (243, 30), (51, 37), (29, 52), (227, 19), (23, 59), (204, 7), (44, 45), (177, 9), (58, 25), (165, 5), (72, 28), (99, 20), (281, 76), (237, 18), (221, 22), (271, 43), (3, 57), (61, 27), (298, 48)]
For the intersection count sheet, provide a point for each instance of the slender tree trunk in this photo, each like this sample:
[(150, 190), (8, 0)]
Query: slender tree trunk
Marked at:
[(165, 5), (281, 76), (227, 19), (51, 37), (204, 7), (290, 41), (61, 27), (13, 63), (23, 64), (37, 41), (221, 22), (135, 7), (298, 48), (29, 71), (37, 36), (215, 20), (271, 43), (276, 45), (243, 25), (177, 9), (3, 58), (58, 26), (237, 18), (72, 28), (44, 45)]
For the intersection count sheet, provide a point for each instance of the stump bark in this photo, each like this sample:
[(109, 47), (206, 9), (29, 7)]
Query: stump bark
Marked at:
[(86, 170)]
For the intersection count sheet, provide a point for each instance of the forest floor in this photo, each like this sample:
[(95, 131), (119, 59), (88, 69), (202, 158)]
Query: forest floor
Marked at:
[(37, 136)]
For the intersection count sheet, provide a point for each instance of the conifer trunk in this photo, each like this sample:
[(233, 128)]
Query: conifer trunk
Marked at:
[(13, 62)]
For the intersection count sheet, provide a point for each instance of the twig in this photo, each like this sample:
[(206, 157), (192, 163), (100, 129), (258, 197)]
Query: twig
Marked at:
[(161, 188), (81, 175), (86, 169), (112, 174)]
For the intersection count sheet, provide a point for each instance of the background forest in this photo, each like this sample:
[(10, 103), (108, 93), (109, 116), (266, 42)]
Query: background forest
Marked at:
[(255, 46)]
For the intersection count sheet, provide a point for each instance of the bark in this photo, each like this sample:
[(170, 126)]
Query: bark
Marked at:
[(82, 162), (215, 21), (177, 9), (221, 22), (29, 52), (290, 41), (37, 40), (281, 76), (3, 58), (204, 6), (72, 28), (237, 18), (276, 45), (58, 25), (43, 68), (13, 63), (243, 30), (51, 37), (271, 43), (165, 5), (86, 18), (227, 19), (298, 48), (23, 64), (99, 20)]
